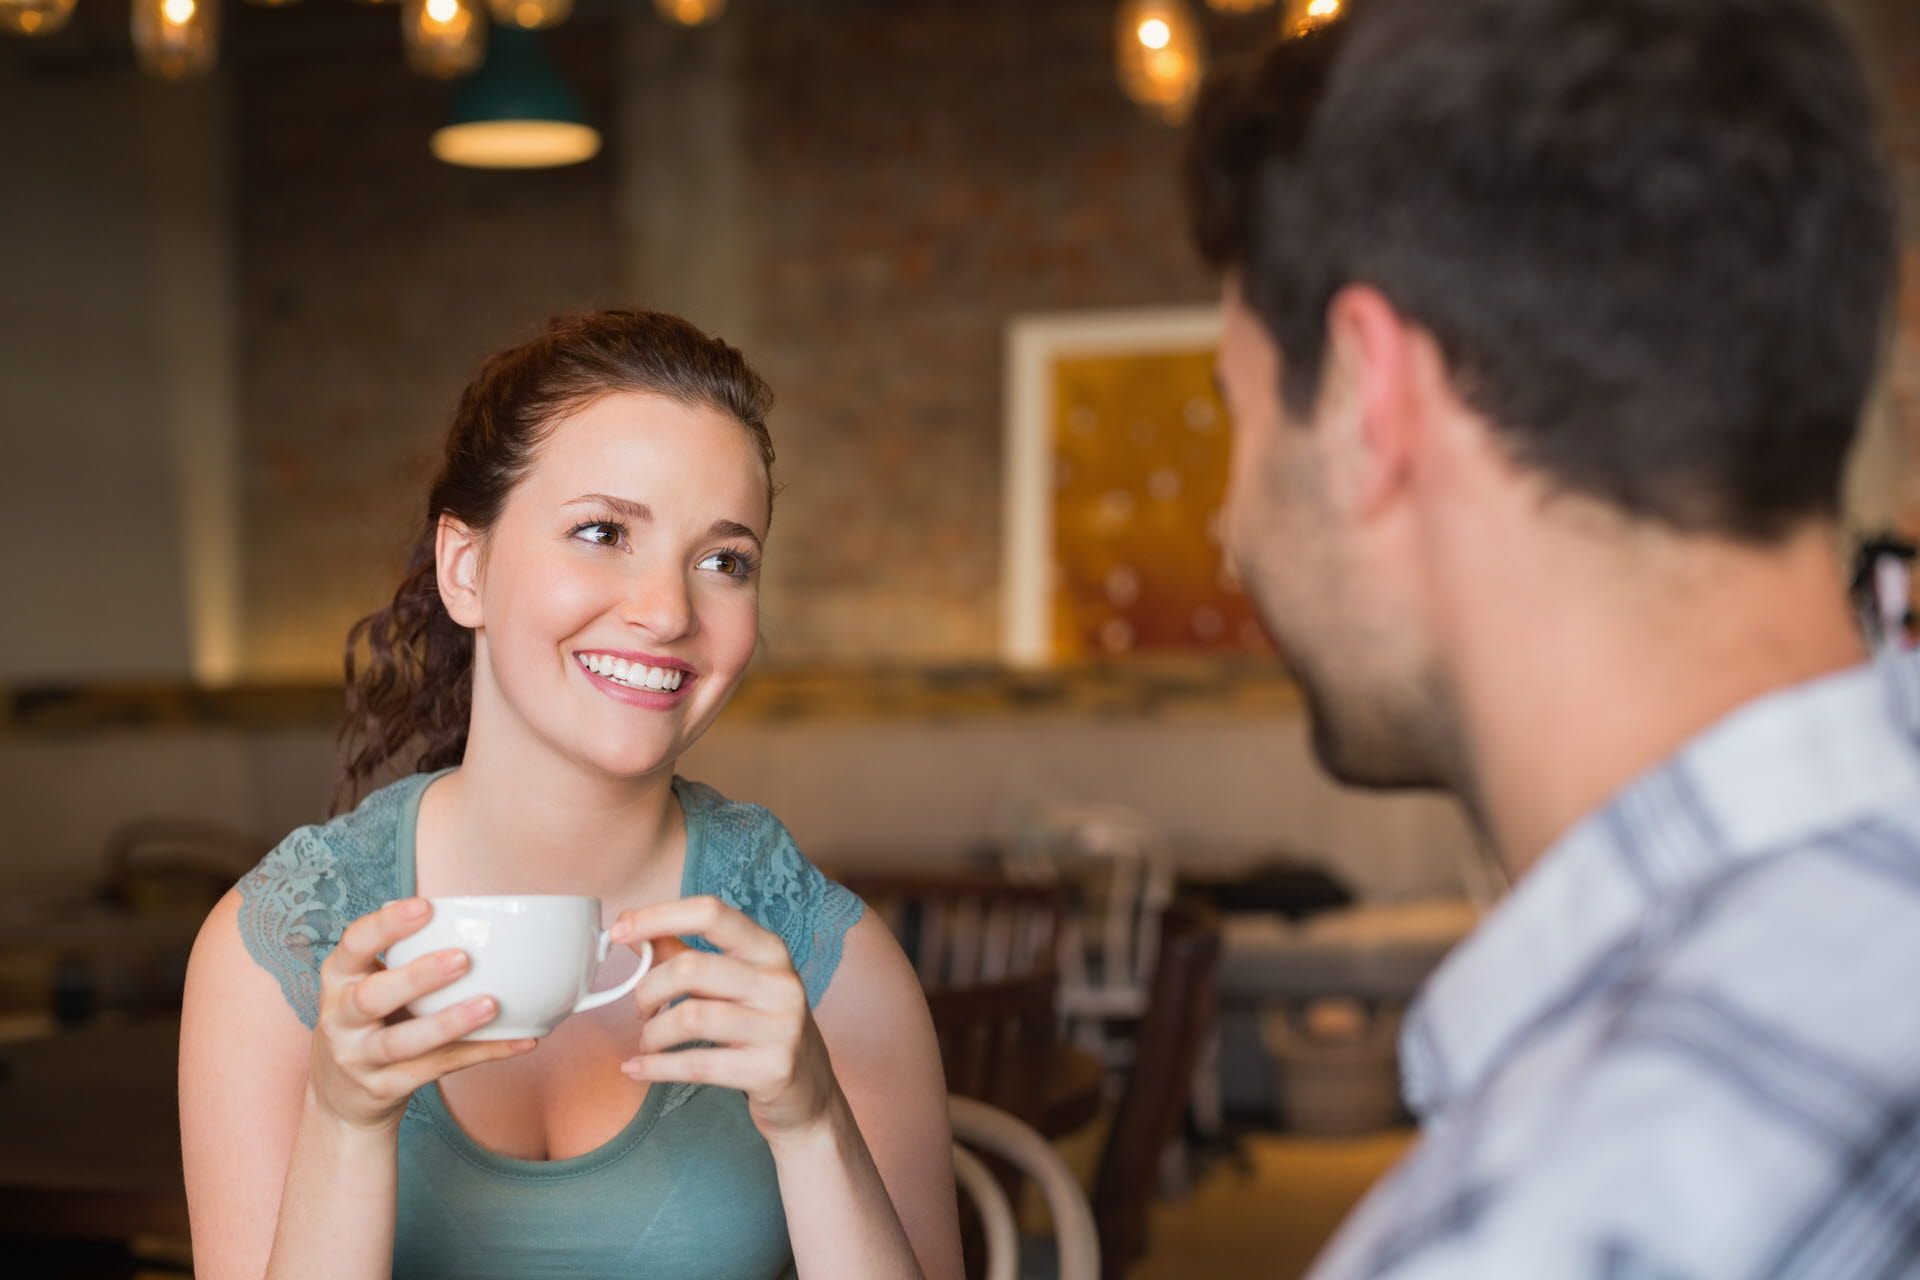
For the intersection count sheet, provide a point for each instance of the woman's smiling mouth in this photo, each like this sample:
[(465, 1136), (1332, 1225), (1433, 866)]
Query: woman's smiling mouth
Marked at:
[(640, 679)]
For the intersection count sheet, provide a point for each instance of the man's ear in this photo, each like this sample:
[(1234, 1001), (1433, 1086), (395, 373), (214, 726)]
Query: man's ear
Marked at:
[(457, 566), (1369, 393)]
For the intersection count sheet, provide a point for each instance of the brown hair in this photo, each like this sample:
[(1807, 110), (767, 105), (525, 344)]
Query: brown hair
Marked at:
[(412, 690)]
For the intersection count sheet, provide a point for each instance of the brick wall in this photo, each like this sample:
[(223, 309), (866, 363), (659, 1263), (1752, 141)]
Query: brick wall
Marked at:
[(909, 176)]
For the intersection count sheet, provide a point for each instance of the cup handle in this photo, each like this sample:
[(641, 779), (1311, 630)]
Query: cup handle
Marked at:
[(594, 999)]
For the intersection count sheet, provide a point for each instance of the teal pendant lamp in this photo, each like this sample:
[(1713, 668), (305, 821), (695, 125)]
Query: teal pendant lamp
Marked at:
[(516, 111)]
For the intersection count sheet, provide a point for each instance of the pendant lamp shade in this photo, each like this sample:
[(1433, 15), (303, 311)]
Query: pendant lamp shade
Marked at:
[(516, 112)]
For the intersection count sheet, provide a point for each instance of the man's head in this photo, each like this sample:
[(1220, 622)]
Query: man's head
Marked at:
[(1644, 247)]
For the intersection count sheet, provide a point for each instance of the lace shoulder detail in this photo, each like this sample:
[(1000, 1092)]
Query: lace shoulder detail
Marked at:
[(301, 897), (748, 861)]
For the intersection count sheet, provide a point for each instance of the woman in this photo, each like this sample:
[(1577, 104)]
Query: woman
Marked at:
[(582, 602)]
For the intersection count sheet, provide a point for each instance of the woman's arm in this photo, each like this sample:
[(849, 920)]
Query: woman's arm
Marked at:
[(876, 1027), (855, 1117), (243, 1073), (288, 1136)]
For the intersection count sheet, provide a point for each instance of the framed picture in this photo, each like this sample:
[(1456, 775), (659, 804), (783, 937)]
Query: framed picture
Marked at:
[(1116, 465)]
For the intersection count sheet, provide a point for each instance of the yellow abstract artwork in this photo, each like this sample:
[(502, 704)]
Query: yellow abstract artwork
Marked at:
[(1139, 469)]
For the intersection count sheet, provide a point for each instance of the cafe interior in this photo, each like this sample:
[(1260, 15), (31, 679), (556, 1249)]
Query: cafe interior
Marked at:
[(1005, 689)]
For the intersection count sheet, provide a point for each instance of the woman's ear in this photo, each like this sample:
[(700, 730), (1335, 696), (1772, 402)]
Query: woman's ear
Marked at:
[(456, 562)]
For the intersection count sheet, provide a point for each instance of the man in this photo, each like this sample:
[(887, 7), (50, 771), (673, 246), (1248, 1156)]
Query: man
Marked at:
[(1548, 324)]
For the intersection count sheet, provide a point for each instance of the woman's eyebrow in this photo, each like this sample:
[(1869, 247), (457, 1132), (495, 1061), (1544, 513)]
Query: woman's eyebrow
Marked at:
[(637, 511), (733, 529), (640, 512)]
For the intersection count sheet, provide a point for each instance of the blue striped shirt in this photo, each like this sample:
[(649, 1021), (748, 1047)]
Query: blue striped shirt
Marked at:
[(1688, 1044)]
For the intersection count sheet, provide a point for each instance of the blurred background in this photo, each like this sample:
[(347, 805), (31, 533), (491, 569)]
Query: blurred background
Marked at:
[(252, 252)]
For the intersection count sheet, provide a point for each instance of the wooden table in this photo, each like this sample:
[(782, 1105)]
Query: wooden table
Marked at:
[(89, 1134)]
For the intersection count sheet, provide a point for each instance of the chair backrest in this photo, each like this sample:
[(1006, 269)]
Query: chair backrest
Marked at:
[(962, 930), (995, 1040), (999, 1232), (1116, 864), (1180, 1013), (992, 1130), (984, 948)]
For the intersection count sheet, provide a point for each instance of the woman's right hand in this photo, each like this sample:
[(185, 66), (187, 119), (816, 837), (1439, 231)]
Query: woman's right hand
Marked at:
[(363, 1067)]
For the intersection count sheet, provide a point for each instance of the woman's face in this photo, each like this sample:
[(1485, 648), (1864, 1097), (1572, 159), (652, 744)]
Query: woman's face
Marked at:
[(619, 592)]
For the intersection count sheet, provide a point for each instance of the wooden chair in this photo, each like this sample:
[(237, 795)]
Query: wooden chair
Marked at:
[(1179, 1018), (1117, 870), (963, 930), (1076, 1240), (985, 949)]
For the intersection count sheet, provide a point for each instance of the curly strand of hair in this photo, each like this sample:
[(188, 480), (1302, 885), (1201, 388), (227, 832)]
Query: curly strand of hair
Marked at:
[(415, 689)]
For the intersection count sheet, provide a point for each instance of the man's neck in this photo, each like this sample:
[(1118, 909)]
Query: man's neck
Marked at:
[(1586, 665)]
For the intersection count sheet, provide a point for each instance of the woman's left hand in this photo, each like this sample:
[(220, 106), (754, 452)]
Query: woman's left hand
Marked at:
[(746, 1000)]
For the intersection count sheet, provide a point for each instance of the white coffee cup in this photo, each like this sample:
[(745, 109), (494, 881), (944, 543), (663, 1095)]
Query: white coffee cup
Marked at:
[(535, 954)]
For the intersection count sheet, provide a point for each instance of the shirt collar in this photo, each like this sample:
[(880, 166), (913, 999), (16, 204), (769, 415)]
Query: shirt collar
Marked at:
[(1772, 774)]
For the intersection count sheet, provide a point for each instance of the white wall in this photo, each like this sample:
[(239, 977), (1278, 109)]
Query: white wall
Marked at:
[(851, 792)]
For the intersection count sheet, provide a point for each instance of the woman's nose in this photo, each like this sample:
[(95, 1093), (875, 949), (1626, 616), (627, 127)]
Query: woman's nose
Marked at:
[(659, 604)]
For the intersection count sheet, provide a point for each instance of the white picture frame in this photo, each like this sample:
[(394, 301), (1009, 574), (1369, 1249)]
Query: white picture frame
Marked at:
[(1034, 343)]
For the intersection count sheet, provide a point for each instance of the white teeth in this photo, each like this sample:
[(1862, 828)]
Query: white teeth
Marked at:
[(633, 674)]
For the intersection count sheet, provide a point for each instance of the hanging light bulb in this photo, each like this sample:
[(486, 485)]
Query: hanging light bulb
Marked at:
[(444, 39), (34, 17), (530, 15), (1239, 6), (1303, 16), (175, 39), (690, 13), (1158, 55)]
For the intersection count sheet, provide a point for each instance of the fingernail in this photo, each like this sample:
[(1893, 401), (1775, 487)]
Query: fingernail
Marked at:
[(455, 962), (413, 907), (480, 1006)]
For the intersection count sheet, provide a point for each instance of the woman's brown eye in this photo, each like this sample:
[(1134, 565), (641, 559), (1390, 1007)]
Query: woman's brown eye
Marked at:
[(600, 533)]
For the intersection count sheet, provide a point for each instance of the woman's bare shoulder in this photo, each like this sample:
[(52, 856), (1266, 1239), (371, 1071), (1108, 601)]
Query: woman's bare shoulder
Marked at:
[(227, 990), (875, 988)]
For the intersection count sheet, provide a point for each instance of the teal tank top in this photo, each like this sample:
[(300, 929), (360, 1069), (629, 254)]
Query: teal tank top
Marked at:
[(686, 1191)]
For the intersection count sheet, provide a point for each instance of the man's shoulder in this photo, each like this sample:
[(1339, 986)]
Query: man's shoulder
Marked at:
[(1728, 1103), (1819, 941)]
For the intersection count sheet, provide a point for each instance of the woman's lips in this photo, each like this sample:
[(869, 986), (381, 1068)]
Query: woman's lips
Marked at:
[(648, 699)]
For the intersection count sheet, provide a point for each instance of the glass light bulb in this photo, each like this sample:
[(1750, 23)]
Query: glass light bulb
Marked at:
[(532, 15), (444, 39), (690, 13), (34, 17), (1158, 55), (174, 39), (1303, 16)]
